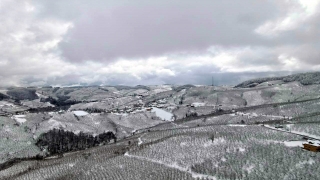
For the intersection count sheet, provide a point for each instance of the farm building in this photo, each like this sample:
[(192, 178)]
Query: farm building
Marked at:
[(312, 146)]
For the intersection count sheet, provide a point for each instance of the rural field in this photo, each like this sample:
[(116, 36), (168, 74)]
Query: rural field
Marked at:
[(255, 130)]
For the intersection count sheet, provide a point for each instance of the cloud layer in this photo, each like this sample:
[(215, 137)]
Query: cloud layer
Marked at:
[(142, 42)]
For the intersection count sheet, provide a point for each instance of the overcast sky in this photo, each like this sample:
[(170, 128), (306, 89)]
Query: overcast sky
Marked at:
[(60, 42)]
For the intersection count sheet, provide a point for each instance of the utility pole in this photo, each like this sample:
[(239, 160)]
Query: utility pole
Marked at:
[(212, 81)]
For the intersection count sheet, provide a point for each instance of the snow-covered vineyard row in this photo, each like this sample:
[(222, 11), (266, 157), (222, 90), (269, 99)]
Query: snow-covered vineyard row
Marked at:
[(221, 152)]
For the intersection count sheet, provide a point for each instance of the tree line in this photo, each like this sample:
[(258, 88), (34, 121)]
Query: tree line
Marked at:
[(58, 141)]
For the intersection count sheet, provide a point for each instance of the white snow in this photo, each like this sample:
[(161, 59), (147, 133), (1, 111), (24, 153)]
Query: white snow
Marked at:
[(197, 104), (171, 107), (310, 161), (215, 142), (183, 144), (254, 114), (80, 113), (295, 132), (20, 118), (306, 134), (276, 117), (207, 144), (249, 168), (140, 141), (239, 125), (175, 166), (120, 114), (133, 131), (40, 95), (162, 88), (55, 123), (294, 143), (7, 128), (3, 103), (315, 142), (270, 127), (164, 115)]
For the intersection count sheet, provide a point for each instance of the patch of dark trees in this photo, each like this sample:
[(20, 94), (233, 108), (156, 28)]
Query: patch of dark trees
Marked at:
[(43, 109), (94, 110), (60, 101), (2, 97), (22, 93), (58, 141), (191, 114)]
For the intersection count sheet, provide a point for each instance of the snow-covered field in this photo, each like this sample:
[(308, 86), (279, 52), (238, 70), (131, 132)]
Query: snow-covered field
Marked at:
[(20, 118), (294, 143), (162, 114), (233, 144), (80, 113), (197, 104)]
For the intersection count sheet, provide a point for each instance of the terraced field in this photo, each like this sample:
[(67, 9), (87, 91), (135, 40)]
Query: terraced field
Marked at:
[(209, 152)]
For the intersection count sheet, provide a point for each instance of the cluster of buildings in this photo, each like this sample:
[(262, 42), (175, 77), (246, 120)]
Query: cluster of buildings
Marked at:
[(159, 103), (128, 109)]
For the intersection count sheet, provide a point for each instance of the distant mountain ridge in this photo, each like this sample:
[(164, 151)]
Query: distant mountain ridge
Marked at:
[(303, 78)]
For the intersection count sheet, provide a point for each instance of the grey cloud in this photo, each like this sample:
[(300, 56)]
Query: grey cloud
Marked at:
[(259, 56), (106, 31), (303, 42), (307, 53), (109, 30)]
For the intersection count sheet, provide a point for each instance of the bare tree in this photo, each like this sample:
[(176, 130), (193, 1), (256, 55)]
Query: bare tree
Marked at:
[(212, 137)]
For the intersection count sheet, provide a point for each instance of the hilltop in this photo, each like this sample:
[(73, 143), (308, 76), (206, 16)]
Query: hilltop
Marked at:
[(303, 78)]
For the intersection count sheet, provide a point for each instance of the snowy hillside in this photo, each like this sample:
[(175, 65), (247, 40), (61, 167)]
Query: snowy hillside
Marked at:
[(162, 131)]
